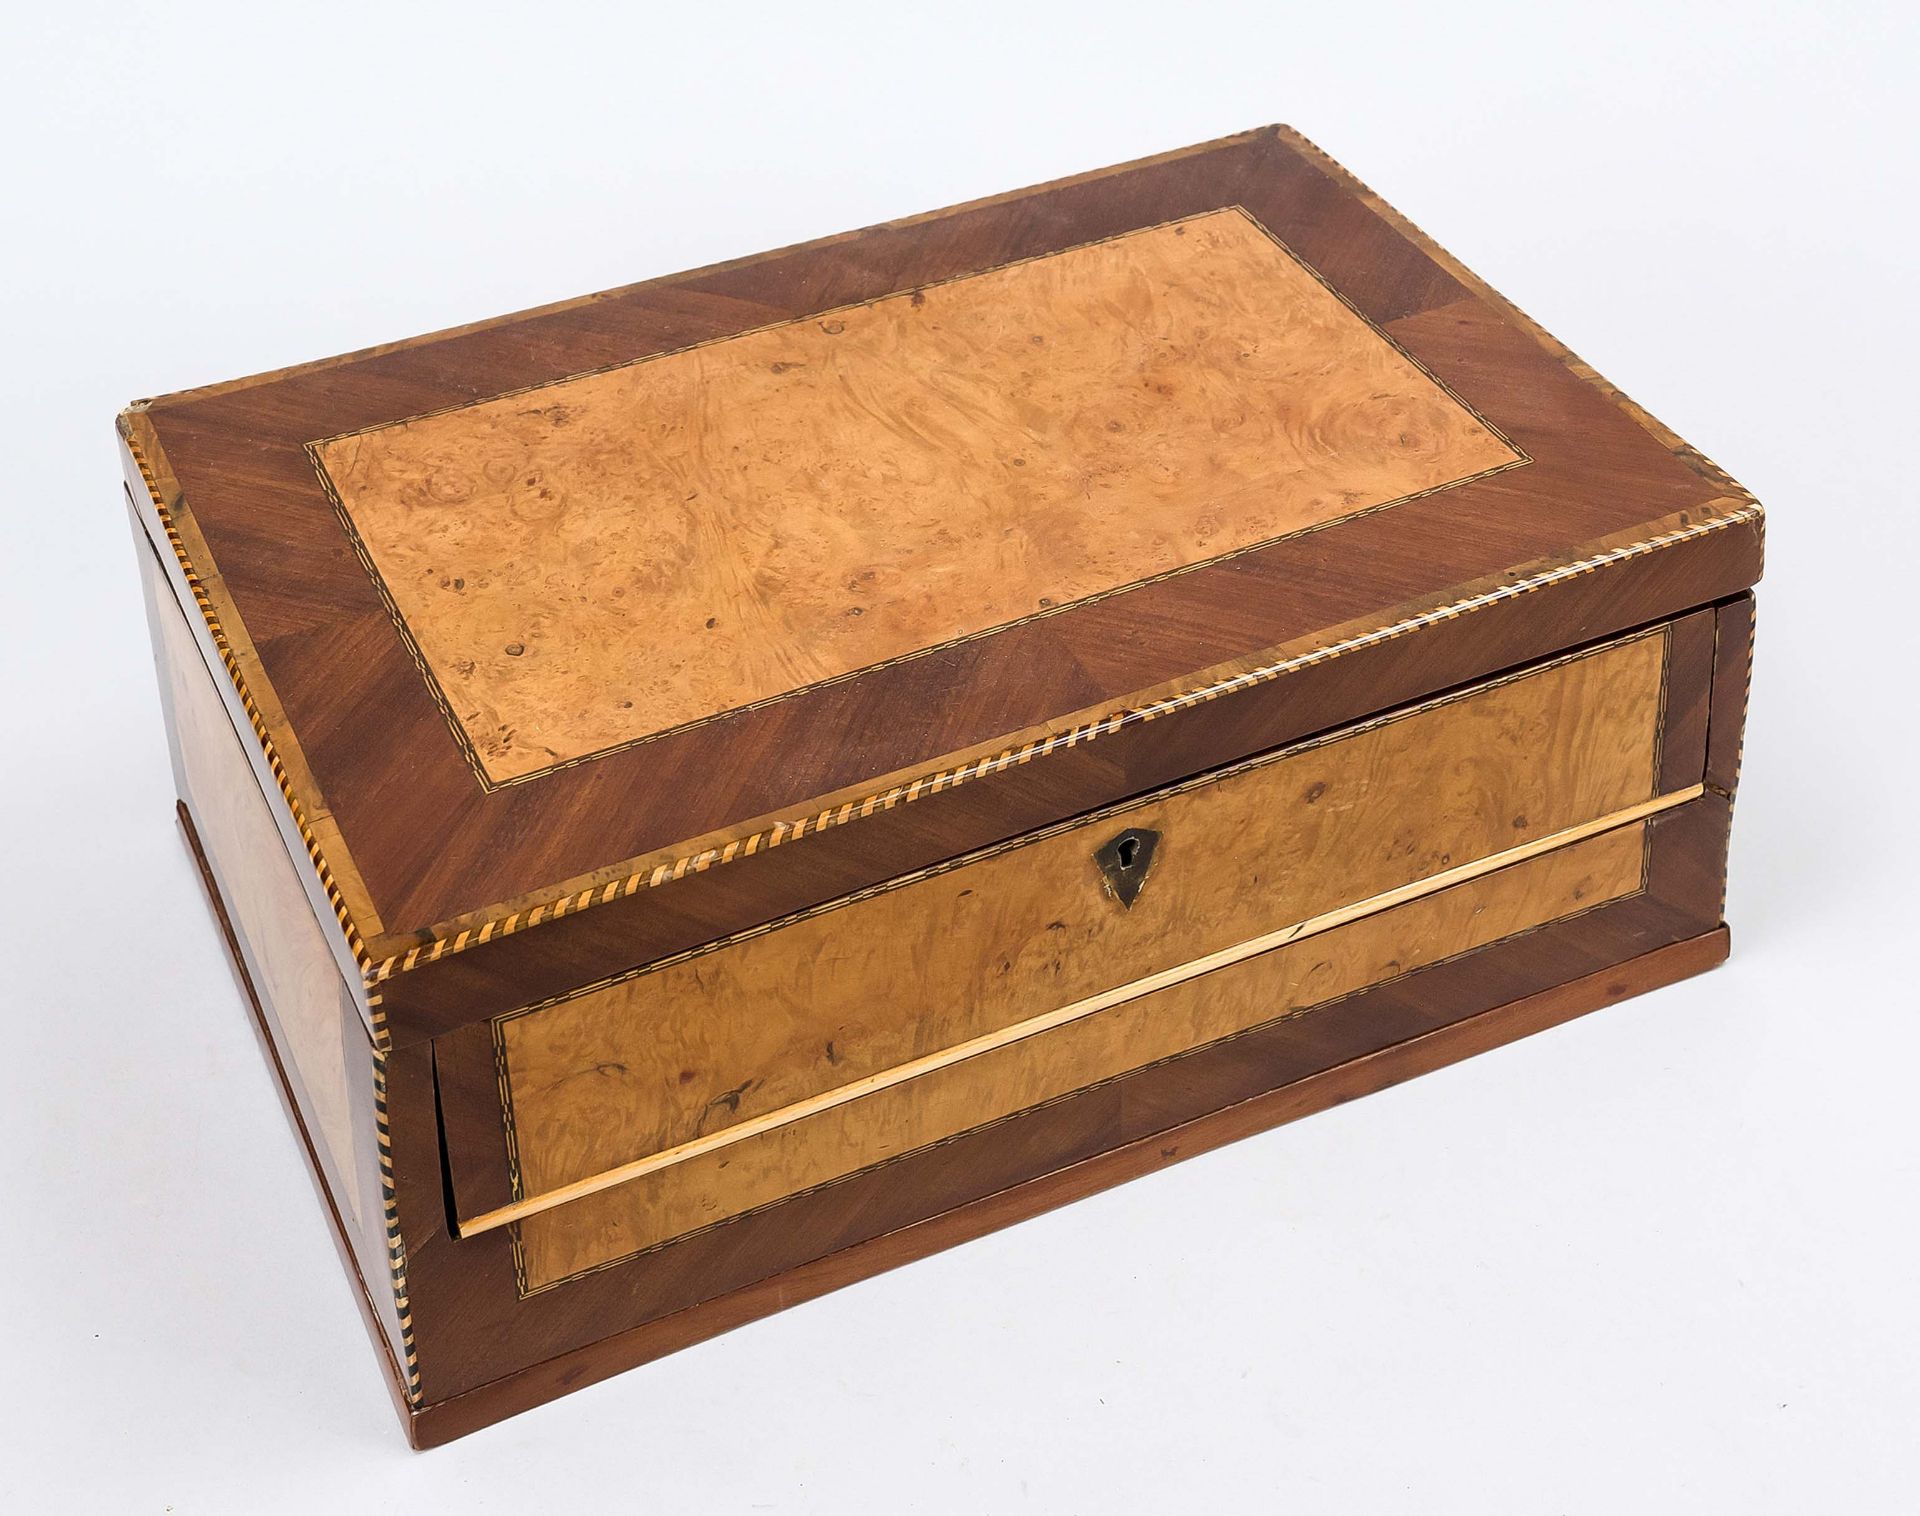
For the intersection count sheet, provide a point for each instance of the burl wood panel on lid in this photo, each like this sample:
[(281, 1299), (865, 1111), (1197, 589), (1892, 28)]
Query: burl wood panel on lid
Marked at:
[(605, 558), (698, 1046)]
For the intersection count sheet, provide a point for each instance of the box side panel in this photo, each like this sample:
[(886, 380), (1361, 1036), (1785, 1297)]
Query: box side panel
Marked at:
[(330, 1067), (1732, 683), (158, 532)]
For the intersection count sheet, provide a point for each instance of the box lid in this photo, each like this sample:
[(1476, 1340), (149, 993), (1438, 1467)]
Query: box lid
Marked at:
[(590, 634)]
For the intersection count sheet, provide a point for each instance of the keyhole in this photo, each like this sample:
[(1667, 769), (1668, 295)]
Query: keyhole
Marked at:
[(1125, 860)]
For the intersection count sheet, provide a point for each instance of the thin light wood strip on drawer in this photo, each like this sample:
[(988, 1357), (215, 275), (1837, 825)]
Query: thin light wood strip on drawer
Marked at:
[(701, 1044), (713, 1187)]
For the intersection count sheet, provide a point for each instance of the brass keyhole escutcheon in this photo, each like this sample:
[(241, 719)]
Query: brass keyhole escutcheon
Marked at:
[(1124, 861)]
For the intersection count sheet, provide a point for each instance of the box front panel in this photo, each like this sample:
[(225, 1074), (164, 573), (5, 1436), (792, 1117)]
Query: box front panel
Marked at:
[(1431, 996)]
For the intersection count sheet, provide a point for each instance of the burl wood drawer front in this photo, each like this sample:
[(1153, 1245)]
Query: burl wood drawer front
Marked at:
[(724, 1080)]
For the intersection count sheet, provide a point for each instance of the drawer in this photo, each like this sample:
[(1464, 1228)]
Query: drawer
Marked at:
[(724, 1080)]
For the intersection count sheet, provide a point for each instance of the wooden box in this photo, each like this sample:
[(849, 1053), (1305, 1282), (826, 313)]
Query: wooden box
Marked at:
[(724, 786)]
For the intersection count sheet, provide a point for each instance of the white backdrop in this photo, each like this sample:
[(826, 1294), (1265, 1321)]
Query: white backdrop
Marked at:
[(1662, 1259)]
